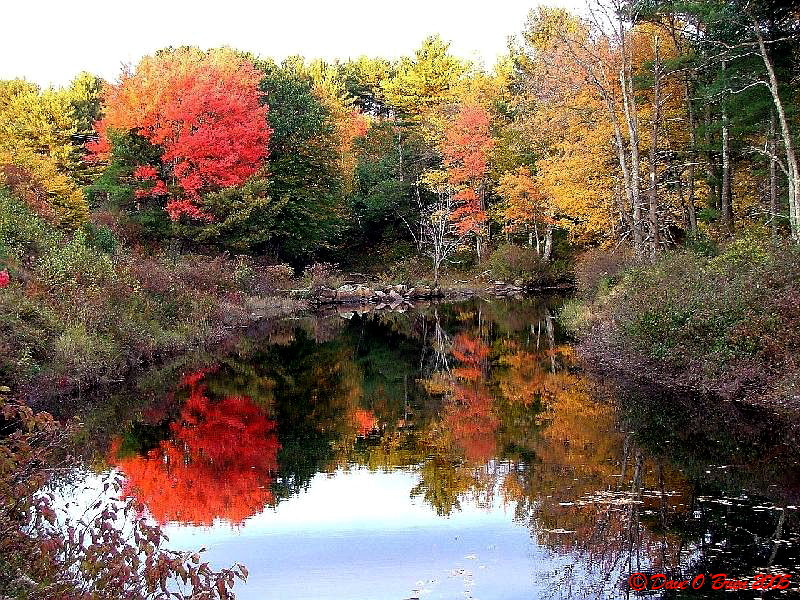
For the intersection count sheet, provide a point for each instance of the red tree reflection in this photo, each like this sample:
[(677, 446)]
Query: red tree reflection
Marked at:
[(219, 463), (469, 415), (365, 421)]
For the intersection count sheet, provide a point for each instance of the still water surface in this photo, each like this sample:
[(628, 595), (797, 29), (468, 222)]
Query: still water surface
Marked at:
[(452, 451)]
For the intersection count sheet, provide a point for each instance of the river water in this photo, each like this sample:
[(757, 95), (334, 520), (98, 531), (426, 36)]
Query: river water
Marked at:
[(451, 451)]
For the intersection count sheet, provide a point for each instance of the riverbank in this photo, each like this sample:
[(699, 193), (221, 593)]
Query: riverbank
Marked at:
[(716, 321)]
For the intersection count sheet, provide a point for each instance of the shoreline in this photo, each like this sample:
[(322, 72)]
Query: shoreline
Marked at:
[(237, 318)]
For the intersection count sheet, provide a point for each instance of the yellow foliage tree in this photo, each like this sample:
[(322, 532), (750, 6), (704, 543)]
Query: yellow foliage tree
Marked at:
[(37, 152)]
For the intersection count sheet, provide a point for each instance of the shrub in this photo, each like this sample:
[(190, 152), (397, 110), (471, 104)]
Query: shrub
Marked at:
[(511, 261), (701, 243), (597, 269), (574, 316), (108, 551), (197, 272), (279, 272), (270, 278), (75, 262), (77, 351), (409, 271), (242, 272), (321, 273), (101, 238), (21, 232), (720, 321)]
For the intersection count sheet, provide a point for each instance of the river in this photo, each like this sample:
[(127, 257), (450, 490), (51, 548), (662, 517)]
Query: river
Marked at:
[(451, 451)]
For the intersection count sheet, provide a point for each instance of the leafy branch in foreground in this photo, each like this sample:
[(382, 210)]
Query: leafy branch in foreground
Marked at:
[(110, 551)]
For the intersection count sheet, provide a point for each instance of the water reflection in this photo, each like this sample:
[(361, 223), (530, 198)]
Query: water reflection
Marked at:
[(218, 462), (450, 422)]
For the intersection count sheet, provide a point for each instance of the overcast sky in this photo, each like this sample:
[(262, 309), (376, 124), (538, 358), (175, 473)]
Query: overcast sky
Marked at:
[(49, 42)]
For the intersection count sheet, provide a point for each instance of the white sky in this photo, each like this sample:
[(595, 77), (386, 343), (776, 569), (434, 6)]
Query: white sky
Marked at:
[(50, 41)]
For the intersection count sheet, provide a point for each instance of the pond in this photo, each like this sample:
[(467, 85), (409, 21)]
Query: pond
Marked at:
[(451, 451)]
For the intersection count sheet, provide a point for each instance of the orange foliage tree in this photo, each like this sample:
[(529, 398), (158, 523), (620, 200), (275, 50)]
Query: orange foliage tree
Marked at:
[(219, 462), (527, 208), (466, 147), (204, 110)]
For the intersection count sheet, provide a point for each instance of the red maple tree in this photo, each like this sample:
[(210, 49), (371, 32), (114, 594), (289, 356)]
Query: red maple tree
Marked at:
[(204, 110), (466, 148)]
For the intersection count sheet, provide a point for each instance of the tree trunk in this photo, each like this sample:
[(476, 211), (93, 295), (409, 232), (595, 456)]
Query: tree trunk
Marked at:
[(653, 188), (689, 213), (400, 153), (711, 165), (548, 244), (626, 176), (791, 157), (792, 224), (725, 198), (629, 106), (690, 202), (773, 180)]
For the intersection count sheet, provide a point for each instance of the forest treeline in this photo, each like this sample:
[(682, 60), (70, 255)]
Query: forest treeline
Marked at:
[(139, 216), (643, 121)]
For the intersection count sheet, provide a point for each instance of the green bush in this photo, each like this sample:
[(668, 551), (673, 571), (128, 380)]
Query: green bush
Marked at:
[(701, 243), (21, 232), (510, 261), (101, 237), (75, 262), (728, 321), (574, 315)]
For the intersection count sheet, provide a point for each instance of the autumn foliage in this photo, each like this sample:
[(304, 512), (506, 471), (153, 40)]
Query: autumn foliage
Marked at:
[(218, 464), (204, 110), (466, 147), (468, 415), (365, 421)]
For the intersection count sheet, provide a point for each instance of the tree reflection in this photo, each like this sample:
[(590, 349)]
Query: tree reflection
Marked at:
[(218, 462)]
